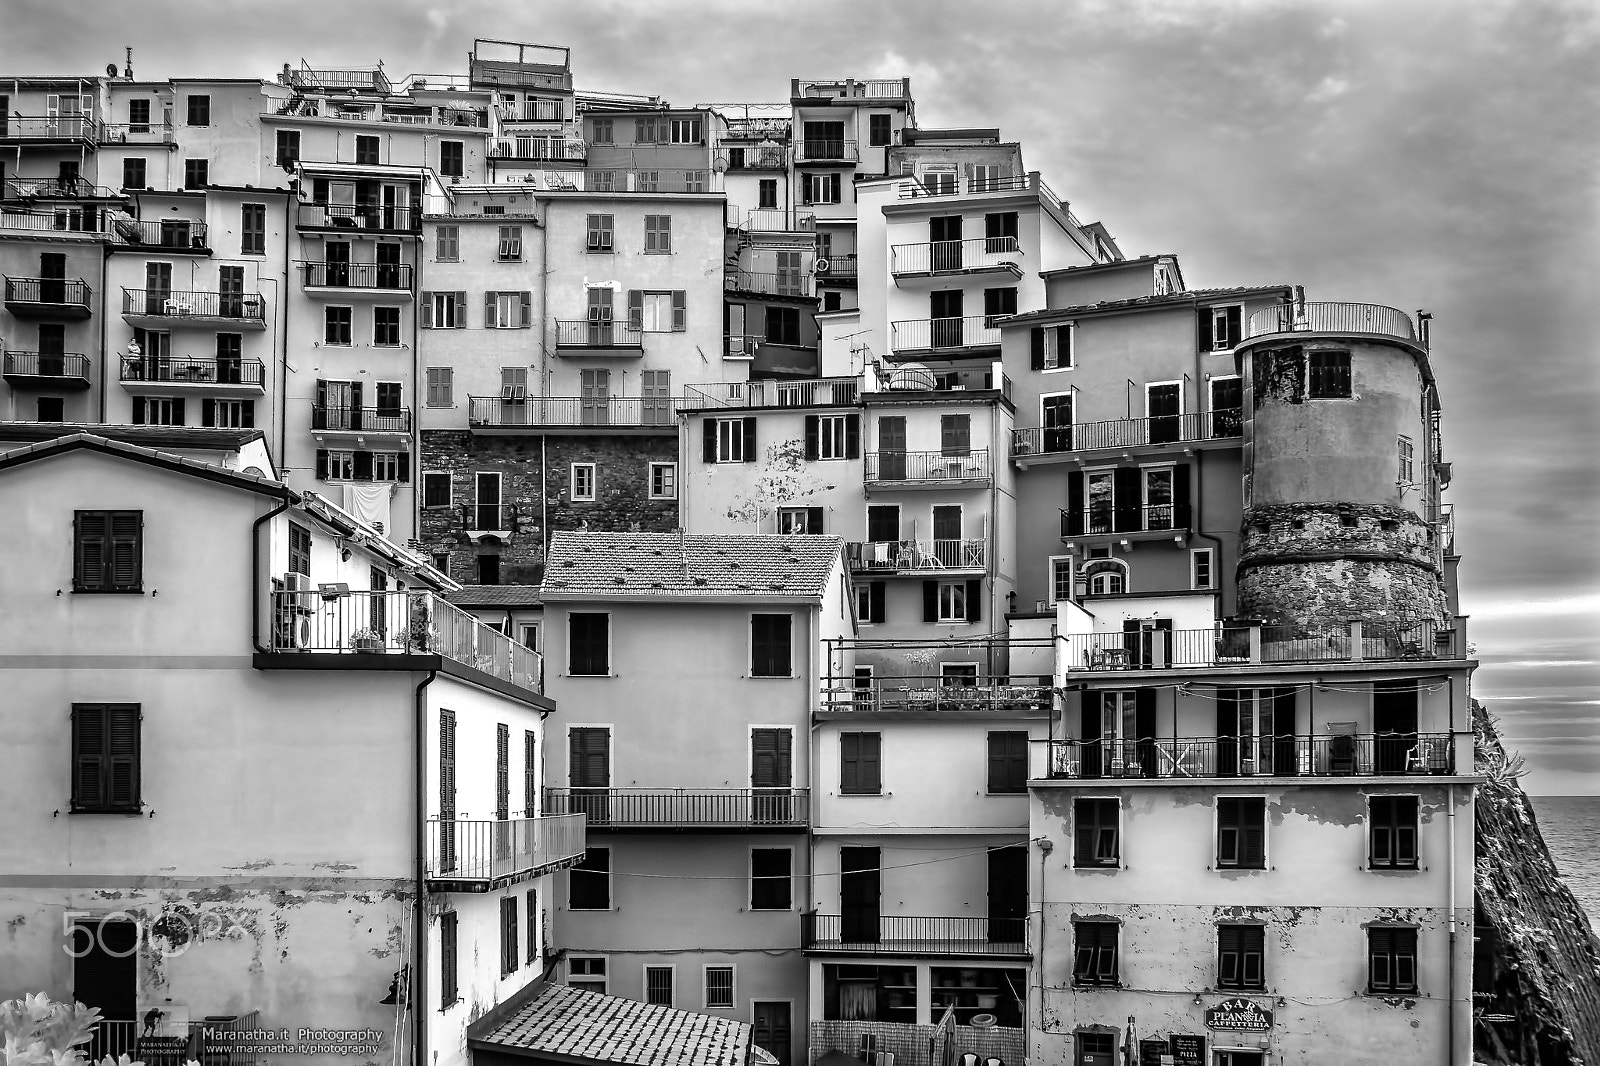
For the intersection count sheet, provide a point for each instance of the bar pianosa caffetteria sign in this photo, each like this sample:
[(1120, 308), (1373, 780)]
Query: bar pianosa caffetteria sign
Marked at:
[(1239, 1016)]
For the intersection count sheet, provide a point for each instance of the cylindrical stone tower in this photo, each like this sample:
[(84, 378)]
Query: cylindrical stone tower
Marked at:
[(1341, 469)]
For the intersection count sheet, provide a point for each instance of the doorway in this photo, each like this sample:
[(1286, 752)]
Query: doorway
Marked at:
[(772, 1027), (105, 975), (859, 891)]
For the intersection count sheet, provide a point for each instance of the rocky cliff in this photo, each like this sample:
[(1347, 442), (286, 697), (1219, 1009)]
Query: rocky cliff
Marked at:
[(1536, 973)]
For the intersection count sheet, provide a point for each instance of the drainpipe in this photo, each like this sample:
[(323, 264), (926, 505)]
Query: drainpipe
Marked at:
[(291, 214), (105, 327), (544, 504), (255, 569), (418, 985), (1450, 966)]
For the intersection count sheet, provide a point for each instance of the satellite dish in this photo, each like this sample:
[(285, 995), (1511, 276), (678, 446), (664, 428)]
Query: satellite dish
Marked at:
[(914, 376), (255, 471), (111, 70)]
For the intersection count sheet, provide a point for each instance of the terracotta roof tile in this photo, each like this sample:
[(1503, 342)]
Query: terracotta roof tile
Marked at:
[(755, 566), (580, 1024), (1179, 299), (496, 596)]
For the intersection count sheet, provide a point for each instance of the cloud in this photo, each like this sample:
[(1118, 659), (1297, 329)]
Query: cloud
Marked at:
[(1328, 90)]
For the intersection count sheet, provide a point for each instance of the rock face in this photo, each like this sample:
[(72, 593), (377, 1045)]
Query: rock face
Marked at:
[(1537, 960)]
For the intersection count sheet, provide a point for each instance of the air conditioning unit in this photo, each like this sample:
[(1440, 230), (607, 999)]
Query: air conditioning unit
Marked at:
[(291, 631), (301, 585)]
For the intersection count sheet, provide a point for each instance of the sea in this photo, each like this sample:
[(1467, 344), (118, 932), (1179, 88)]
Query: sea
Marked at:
[(1571, 828)]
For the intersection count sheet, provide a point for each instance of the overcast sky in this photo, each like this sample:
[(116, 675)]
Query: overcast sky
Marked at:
[(1422, 155)]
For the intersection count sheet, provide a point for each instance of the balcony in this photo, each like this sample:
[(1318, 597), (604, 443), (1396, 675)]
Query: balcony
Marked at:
[(345, 279), (136, 133), (583, 336), (775, 220), (916, 556), (539, 149), (534, 111), (364, 421), (935, 185), (978, 255), (63, 222), (173, 234), (802, 89), (216, 1043), (488, 520), (927, 469), (1331, 317), (810, 392), (836, 268), (925, 1045), (796, 286), (214, 375), (755, 809), (48, 298), (569, 412), (826, 151), (904, 934), (364, 624), (46, 370), (1097, 521), (165, 309), (1123, 433), (946, 338), (55, 189), (1347, 755), (481, 855), (50, 129), (373, 218), (755, 156), (935, 694), (1241, 645)]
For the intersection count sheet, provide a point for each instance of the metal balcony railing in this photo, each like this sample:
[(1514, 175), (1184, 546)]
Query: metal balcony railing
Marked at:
[(776, 220), (611, 179), (933, 692), (46, 365), (570, 411), (671, 808), (915, 934), (211, 1042), (765, 284), (755, 157), (534, 111), (164, 303), (924, 334), (1236, 644), (927, 466), (489, 517), (597, 333), (49, 128), (1129, 432), (838, 266), (358, 275), (954, 257), (826, 150), (55, 189), (156, 132), (952, 184), (48, 291), (1288, 755), (1096, 520), (892, 556), (849, 88), (413, 623), (360, 217), (1331, 317), (539, 148), (61, 220), (812, 392), (165, 233), (361, 419), (194, 371), (488, 852)]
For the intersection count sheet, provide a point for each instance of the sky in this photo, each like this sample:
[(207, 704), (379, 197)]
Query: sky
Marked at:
[(1424, 155)]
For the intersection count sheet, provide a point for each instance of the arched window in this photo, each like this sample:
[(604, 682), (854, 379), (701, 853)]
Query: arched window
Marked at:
[(1105, 577)]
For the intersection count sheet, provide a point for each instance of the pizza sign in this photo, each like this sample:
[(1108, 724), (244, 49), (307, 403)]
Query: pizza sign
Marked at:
[(1239, 1016)]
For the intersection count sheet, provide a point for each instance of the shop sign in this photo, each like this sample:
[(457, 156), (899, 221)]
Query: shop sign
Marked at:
[(1239, 1016)]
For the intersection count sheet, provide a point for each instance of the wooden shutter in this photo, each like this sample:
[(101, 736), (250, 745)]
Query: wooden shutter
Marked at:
[(1234, 334), (138, 410), (502, 771), (126, 549), (975, 600), (426, 311), (1008, 762), (852, 436), (362, 466), (1036, 337), (89, 771), (636, 308), (461, 310), (122, 757), (771, 758), (1182, 508), (930, 601), (488, 309), (1227, 732), (680, 311), (1128, 506), (708, 441), (530, 778), (93, 549), (876, 593), (1285, 756), (850, 762), (1089, 732), (1203, 329), (1074, 522), (813, 435), (402, 465), (525, 299), (749, 440), (247, 414)]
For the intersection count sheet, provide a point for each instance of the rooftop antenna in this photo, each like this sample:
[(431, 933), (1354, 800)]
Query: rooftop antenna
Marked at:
[(127, 70)]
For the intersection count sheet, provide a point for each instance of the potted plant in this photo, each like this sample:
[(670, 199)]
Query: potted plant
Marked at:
[(366, 640)]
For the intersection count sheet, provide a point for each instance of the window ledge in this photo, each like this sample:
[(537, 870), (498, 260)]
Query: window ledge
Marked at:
[(134, 812), (108, 592)]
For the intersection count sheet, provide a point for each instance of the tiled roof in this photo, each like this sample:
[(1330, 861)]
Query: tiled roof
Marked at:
[(144, 436), (1171, 299), (1085, 267), (496, 596), (582, 1025), (719, 566)]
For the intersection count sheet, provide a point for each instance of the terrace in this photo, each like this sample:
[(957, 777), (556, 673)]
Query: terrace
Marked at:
[(1331, 316), (481, 855), (48, 298), (906, 934), (59, 129), (945, 338), (916, 556), (977, 255), (762, 809), (1288, 755), (927, 469), (1123, 433), (345, 278), (173, 234), (227, 375), (48, 370), (934, 693), (811, 392), (168, 309)]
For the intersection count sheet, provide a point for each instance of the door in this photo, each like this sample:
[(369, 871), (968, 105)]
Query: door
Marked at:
[(1227, 402), (771, 774), (1257, 732), (1148, 641), (230, 291), (892, 447), (589, 772), (945, 308), (157, 287), (771, 1029), (52, 278), (393, 208), (1394, 720), (487, 510), (947, 534), (389, 266), (883, 533), (389, 414), (944, 242), (1119, 734), (859, 890), (336, 254), (594, 397), (1056, 418), (1163, 407), (52, 349), (824, 140), (788, 280), (335, 399), (656, 388), (600, 317), (105, 975), (1008, 894), (67, 177)]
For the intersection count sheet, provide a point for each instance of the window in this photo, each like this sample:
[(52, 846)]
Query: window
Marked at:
[(444, 310), (588, 644), (139, 115), (767, 189), (299, 550), (583, 480), (1008, 763), (783, 325), (288, 149), (588, 974), (435, 490), (1391, 959), (391, 466), (452, 158), (1407, 470), (507, 310), (228, 414), (877, 131), (510, 247), (589, 882), (769, 645), (1060, 578), (199, 111), (604, 131), (386, 327), (940, 182), (533, 911), (997, 304), (1242, 832), (1094, 959), (1158, 498), (108, 551), (1200, 572), (833, 437), (800, 520), (158, 411), (729, 440), (1219, 328), (1240, 953), (954, 601), (510, 957), (447, 244), (860, 764), (1392, 832), (1053, 347), (495, 209), (441, 386), (770, 887), (52, 409), (820, 188), (367, 150), (336, 325), (441, 562), (196, 173), (1096, 833), (253, 229), (601, 231), (685, 131), (719, 987), (105, 757), (955, 435), (133, 173), (658, 233), (449, 989), (870, 606), (663, 481), (489, 569), (1328, 376), (1000, 232), (658, 312), (658, 985)]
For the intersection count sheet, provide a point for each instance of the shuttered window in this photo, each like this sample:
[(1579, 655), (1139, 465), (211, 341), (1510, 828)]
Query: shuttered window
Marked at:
[(658, 233), (530, 774), (589, 882), (1094, 959), (447, 789), (441, 386), (601, 230), (510, 958), (533, 924), (105, 757), (449, 988), (1393, 832), (1008, 762), (1240, 950), (955, 435), (1328, 375), (1391, 959), (502, 771), (860, 762), (588, 644), (1096, 833), (769, 645), (108, 551), (1242, 832), (770, 880)]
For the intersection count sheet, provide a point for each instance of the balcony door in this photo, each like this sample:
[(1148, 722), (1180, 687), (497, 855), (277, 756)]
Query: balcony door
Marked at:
[(389, 414), (788, 276), (1056, 419), (336, 405), (105, 975), (594, 397), (860, 889), (52, 278), (1256, 733), (892, 447), (1227, 401), (946, 309), (947, 534), (656, 389), (336, 254), (1148, 641), (52, 349), (388, 265), (1119, 733), (1394, 720), (1008, 894), (230, 291), (600, 317), (771, 776), (1163, 406), (486, 510), (157, 287), (944, 242), (589, 772), (824, 140)]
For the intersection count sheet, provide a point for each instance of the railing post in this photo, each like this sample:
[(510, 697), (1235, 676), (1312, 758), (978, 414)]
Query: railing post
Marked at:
[(1357, 635)]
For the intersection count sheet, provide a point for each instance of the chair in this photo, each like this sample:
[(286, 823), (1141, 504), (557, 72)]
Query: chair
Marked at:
[(969, 1059), (1342, 754)]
